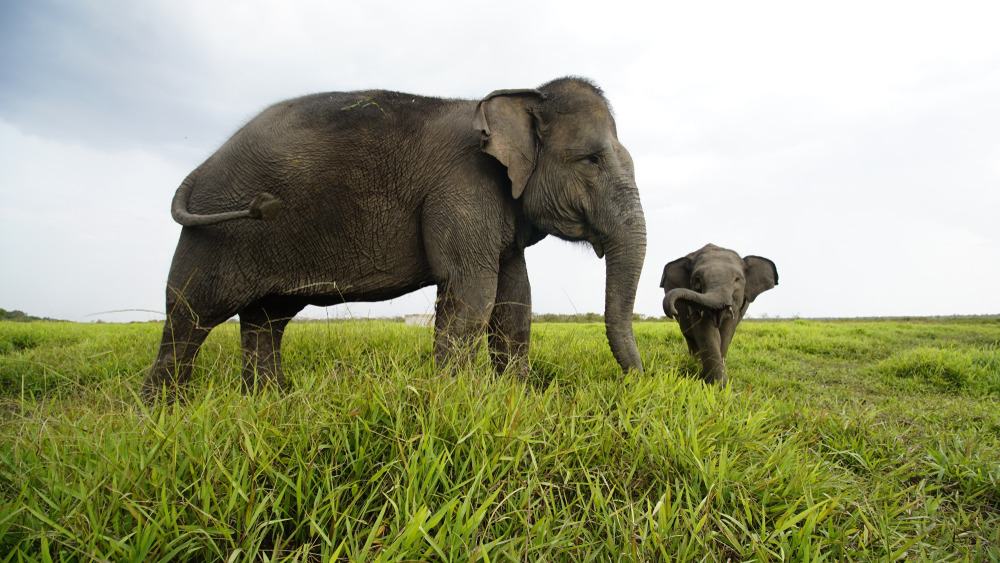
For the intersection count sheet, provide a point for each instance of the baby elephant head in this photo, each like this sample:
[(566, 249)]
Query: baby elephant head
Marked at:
[(708, 292)]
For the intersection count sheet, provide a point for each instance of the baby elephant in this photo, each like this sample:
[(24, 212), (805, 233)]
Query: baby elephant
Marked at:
[(708, 292)]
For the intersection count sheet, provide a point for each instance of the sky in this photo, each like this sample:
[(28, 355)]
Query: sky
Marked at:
[(856, 144)]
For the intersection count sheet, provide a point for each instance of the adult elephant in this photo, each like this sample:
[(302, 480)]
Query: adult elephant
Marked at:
[(366, 196)]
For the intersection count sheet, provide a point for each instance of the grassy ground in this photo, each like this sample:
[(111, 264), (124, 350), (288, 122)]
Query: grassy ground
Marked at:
[(836, 440)]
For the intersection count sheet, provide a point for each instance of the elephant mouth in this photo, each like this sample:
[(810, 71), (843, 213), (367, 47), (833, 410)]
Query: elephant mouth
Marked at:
[(598, 247), (581, 232), (714, 305), (715, 315), (597, 239)]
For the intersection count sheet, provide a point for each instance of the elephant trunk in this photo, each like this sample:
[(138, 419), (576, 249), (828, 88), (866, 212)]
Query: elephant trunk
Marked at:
[(713, 301), (626, 251)]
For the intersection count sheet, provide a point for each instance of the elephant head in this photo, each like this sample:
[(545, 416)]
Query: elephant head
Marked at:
[(708, 292), (575, 180)]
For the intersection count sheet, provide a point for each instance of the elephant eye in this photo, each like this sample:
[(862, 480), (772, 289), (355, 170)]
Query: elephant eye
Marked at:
[(594, 159)]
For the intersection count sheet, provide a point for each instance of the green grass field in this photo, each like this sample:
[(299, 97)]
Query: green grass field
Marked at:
[(835, 440)]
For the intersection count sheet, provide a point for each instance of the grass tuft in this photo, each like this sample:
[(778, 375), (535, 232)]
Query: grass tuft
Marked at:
[(948, 369), (860, 440)]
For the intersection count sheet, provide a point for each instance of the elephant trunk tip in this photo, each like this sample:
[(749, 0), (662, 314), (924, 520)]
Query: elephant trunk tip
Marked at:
[(670, 308)]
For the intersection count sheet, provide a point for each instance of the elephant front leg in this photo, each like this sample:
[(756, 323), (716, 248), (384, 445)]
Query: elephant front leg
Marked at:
[(686, 320), (510, 323), (713, 364), (463, 309), (704, 341)]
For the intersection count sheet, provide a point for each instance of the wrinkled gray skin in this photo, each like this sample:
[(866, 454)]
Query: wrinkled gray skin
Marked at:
[(366, 196), (708, 292)]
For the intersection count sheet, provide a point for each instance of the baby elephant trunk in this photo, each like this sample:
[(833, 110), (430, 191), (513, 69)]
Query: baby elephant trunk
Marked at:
[(715, 301)]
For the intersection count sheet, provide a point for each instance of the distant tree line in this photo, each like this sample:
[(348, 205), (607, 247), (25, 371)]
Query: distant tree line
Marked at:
[(583, 317), (16, 315)]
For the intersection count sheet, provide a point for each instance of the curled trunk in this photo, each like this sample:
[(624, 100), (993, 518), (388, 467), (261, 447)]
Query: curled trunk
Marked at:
[(712, 301)]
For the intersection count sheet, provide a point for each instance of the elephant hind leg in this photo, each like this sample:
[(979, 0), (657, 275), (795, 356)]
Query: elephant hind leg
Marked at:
[(262, 326), (184, 331)]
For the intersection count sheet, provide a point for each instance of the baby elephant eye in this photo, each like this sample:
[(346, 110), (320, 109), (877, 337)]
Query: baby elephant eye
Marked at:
[(594, 159)]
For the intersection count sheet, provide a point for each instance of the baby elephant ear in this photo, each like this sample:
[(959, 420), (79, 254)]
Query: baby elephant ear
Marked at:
[(761, 275), (677, 274), (507, 125)]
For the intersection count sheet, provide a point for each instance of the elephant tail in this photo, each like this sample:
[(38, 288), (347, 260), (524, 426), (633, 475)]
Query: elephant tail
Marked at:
[(263, 206)]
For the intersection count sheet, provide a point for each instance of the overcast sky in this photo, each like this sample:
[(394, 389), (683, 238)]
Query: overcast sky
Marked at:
[(856, 144)]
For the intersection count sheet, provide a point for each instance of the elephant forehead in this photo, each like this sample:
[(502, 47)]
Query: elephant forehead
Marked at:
[(712, 254), (589, 129), (722, 265)]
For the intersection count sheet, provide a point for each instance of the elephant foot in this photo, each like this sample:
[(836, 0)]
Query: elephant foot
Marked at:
[(256, 380), (163, 385), (719, 379)]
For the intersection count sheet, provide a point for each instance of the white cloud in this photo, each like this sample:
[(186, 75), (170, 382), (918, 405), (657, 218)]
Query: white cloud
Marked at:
[(83, 230), (853, 143)]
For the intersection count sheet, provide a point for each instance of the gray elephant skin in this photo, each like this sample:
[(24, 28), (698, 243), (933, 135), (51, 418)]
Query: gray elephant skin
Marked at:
[(365, 196), (708, 292)]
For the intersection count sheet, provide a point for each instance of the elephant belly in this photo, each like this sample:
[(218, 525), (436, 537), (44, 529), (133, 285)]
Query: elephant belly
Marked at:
[(339, 268), (353, 295), (232, 267)]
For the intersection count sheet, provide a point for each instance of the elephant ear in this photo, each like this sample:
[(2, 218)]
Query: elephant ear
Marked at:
[(761, 275), (507, 125), (677, 274)]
